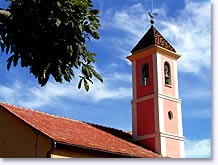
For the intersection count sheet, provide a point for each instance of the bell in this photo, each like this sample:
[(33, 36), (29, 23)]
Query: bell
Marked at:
[(145, 81), (167, 75)]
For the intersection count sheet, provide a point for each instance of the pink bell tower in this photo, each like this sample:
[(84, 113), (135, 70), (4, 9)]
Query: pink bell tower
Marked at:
[(156, 107)]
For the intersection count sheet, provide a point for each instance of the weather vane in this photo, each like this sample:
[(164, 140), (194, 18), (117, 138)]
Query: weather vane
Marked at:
[(152, 14)]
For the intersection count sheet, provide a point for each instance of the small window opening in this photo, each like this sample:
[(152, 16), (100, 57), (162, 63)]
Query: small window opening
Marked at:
[(145, 75), (167, 73), (170, 115)]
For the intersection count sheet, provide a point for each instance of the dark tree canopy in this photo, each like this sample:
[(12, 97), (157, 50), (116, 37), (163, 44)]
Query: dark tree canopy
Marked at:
[(49, 37)]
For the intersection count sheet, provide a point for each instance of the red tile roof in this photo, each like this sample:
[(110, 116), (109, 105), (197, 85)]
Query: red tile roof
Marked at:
[(79, 133)]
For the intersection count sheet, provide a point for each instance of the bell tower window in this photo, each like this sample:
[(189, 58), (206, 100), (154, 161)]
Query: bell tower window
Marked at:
[(167, 73), (145, 74)]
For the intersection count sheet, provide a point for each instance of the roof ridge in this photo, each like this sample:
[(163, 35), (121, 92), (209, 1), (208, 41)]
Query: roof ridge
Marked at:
[(98, 125)]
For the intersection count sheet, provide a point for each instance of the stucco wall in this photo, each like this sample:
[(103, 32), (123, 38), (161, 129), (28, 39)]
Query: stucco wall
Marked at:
[(172, 148), (171, 125), (67, 151), (145, 117), (19, 140)]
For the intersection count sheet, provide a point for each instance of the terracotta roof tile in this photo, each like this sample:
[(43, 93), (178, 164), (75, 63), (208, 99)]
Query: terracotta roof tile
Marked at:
[(79, 133), (152, 37)]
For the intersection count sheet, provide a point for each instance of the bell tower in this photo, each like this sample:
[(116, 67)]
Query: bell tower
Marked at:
[(156, 107)]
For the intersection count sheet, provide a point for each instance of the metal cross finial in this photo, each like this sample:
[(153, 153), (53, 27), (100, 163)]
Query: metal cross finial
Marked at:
[(152, 14)]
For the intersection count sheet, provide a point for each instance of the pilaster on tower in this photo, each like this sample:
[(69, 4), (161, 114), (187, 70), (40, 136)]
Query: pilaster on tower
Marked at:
[(156, 107)]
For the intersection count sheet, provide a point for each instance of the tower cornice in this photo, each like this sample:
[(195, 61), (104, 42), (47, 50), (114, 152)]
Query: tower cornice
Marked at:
[(151, 50)]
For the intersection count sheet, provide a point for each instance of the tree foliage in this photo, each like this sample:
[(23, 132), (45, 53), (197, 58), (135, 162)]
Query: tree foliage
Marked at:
[(49, 37)]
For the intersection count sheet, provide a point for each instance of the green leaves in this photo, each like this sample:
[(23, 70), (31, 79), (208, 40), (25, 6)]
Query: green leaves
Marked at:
[(98, 76), (85, 83), (58, 22), (49, 38)]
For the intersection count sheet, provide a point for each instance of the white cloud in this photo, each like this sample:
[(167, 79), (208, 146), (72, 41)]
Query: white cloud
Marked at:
[(5, 91), (113, 65), (10, 93), (198, 148), (125, 19), (190, 35), (121, 77), (34, 97), (132, 19), (189, 32)]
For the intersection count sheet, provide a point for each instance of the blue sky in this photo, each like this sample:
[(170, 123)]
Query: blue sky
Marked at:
[(186, 24)]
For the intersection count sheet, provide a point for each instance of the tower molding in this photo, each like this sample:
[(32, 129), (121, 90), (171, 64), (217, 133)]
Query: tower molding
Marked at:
[(160, 134), (163, 96)]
